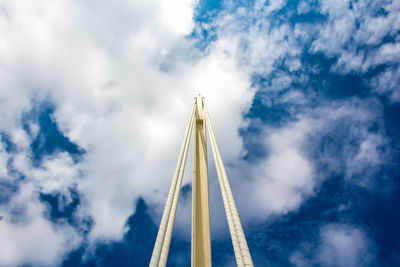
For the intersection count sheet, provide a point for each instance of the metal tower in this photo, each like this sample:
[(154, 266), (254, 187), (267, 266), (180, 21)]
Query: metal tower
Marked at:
[(201, 244)]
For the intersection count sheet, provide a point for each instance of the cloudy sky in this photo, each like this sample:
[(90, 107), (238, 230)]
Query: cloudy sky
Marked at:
[(95, 97)]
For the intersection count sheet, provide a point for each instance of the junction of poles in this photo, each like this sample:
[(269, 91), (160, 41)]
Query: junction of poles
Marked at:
[(201, 243)]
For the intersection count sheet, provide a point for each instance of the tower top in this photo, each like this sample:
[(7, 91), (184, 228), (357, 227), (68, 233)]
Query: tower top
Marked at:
[(199, 96)]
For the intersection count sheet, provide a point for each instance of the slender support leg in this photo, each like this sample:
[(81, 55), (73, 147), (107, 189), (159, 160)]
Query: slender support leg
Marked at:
[(201, 244)]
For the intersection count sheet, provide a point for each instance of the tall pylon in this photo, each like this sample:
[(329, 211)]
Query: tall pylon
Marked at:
[(201, 241)]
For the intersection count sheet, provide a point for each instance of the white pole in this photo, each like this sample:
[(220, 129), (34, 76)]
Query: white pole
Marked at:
[(242, 253), (155, 258), (171, 220)]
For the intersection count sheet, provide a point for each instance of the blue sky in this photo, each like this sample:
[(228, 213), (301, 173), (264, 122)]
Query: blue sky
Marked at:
[(305, 101)]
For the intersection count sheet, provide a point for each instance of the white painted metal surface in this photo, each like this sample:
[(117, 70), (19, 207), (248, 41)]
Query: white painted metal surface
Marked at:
[(201, 241), (242, 253), (161, 247)]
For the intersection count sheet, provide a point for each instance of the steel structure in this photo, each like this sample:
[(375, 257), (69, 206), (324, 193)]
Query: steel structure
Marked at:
[(201, 244)]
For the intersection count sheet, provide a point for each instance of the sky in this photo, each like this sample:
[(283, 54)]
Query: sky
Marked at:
[(304, 97)]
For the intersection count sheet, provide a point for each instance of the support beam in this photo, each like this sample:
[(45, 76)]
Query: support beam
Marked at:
[(201, 244), (242, 253), (161, 247)]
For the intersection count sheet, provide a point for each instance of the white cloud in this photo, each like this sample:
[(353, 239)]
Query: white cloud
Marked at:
[(28, 237), (368, 159), (3, 161), (339, 245), (338, 29), (270, 6), (249, 36), (100, 63), (343, 245), (386, 54), (362, 152), (355, 32), (333, 139), (388, 82), (349, 62), (353, 25), (123, 77), (303, 7), (286, 176), (37, 242)]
